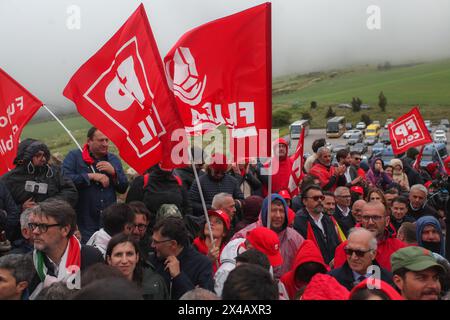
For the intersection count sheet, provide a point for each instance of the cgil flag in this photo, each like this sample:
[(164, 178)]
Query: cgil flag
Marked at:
[(17, 107), (122, 91), (408, 131), (297, 165), (220, 74)]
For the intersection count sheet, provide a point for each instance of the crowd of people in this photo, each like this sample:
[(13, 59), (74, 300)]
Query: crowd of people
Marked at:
[(83, 229)]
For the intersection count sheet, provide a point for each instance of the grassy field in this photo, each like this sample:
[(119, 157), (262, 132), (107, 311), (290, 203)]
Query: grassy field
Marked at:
[(426, 85)]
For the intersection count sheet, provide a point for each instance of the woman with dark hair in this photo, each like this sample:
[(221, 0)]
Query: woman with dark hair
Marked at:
[(123, 254), (220, 227), (376, 194), (377, 177)]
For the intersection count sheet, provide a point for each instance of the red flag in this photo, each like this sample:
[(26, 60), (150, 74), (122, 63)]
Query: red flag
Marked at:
[(416, 164), (220, 73), (122, 90), (17, 107), (408, 131), (297, 165)]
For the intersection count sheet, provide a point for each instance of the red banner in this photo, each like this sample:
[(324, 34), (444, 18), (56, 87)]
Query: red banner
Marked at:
[(408, 131), (220, 73), (17, 107), (297, 165), (122, 91)]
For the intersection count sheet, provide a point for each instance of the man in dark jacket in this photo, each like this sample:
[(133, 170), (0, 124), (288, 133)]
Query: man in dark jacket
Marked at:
[(414, 177), (360, 250), (417, 203), (33, 180), (98, 175), (343, 212), (215, 181), (57, 252), (182, 267), (12, 211), (312, 218)]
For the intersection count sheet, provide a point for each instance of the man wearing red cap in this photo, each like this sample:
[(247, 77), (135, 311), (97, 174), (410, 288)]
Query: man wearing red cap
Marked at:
[(261, 238), (216, 180)]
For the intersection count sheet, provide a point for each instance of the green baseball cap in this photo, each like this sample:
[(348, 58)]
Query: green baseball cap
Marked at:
[(414, 258)]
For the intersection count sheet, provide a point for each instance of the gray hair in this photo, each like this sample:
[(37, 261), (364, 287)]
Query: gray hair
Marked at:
[(199, 294), (420, 187), (372, 241), (218, 199), (322, 150), (20, 265), (24, 217), (339, 191)]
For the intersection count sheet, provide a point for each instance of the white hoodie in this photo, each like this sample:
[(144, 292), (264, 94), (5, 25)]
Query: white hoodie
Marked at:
[(100, 240)]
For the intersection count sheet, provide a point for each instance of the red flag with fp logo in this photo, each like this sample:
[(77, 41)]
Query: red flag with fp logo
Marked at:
[(122, 91), (17, 107), (220, 74), (408, 131)]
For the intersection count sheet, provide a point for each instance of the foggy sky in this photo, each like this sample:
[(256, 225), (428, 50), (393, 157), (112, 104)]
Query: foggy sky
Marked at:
[(39, 51)]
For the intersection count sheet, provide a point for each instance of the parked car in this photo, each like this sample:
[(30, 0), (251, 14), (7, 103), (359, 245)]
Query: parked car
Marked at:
[(370, 140), (440, 136), (359, 147), (338, 147), (430, 155), (365, 107), (442, 127), (344, 106), (376, 122), (387, 155), (445, 122), (355, 138), (348, 133), (348, 126), (360, 125), (429, 125), (385, 138), (378, 148), (388, 122)]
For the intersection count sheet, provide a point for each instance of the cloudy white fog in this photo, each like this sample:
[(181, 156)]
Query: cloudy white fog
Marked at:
[(41, 52)]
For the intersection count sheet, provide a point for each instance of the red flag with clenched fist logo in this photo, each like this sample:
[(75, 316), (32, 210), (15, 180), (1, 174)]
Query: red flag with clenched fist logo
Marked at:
[(17, 107), (122, 90), (408, 131)]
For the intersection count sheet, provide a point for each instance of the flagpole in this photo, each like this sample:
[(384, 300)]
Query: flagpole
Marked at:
[(269, 192), (269, 101), (439, 157), (67, 130), (205, 210)]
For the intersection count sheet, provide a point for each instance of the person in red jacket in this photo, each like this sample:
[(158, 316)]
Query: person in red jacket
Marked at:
[(330, 177), (384, 292), (307, 263), (375, 219)]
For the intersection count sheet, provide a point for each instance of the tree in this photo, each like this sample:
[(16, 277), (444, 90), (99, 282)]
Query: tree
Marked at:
[(306, 116), (382, 101), (281, 117), (356, 104), (330, 113), (313, 104), (366, 119)]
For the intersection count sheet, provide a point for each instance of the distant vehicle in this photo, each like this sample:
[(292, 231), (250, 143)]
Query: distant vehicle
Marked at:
[(335, 127), (296, 128), (355, 138), (338, 147), (347, 134), (365, 107), (429, 125), (445, 122), (430, 154), (359, 147), (385, 138), (348, 126), (387, 155), (378, 148), (442, 127), (373, 130), (360, 125), (388, 122), (344, 106), (370, 140), (376, 122), (440, 136)]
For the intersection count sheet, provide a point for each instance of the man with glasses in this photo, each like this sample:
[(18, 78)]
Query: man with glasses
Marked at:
[(57, 252), (375, 219), (312, 224), (343, 211), (142, 229), (182, 267), (360, 250), (355, 172)]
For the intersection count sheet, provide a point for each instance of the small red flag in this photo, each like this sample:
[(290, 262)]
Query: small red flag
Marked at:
[(297, 165)]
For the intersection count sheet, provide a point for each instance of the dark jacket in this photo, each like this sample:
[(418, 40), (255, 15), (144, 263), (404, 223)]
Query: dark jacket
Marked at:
[(252, 180), (21, 246), (346, 223), (187, 176), (414, 177), (396, 223), (195, 270), (93, 197), (89, 256), (210, 188), (423, 211), (13, 214), (327, 242), (344, 275), (58, 185), (153, 285)]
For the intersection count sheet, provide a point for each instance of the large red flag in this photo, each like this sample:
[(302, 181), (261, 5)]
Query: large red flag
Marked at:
[(297, 165), (220, 73), (17, 107), (122, 90), (408, 131)]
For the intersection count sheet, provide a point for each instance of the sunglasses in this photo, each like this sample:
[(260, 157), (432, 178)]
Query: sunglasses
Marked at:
[(317, 198), (359, 253)]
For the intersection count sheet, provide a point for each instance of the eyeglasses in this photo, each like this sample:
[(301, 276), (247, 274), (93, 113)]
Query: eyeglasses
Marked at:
[(374, 218), (140, 226), (357, 159), (359, 253), (160, 241), (317, 198), (41, 226)]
